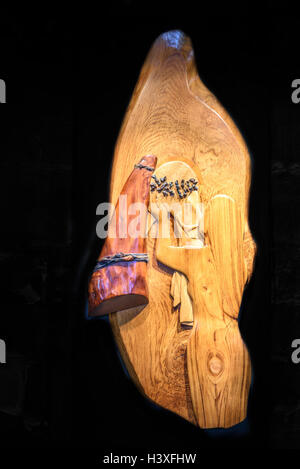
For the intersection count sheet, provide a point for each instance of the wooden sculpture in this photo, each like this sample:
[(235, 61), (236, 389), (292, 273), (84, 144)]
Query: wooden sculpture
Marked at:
[(183, 349), (119, 278)]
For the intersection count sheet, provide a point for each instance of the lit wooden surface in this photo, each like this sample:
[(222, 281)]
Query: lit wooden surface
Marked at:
[(120, 286), (201, 373)]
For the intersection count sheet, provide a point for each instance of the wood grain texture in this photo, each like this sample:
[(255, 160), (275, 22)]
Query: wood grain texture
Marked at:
[(174, 116), (123, 285), (218, 363), (187, 219)]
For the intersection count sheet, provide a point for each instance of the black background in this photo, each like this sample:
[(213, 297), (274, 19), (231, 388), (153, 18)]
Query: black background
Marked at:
[(69, 82)]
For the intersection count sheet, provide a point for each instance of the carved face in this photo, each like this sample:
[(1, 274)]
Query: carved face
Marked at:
[(182, 218), (175, 190)]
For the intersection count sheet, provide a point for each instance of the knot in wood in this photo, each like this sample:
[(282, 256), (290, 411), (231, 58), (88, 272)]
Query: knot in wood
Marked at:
[(215, 364)]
